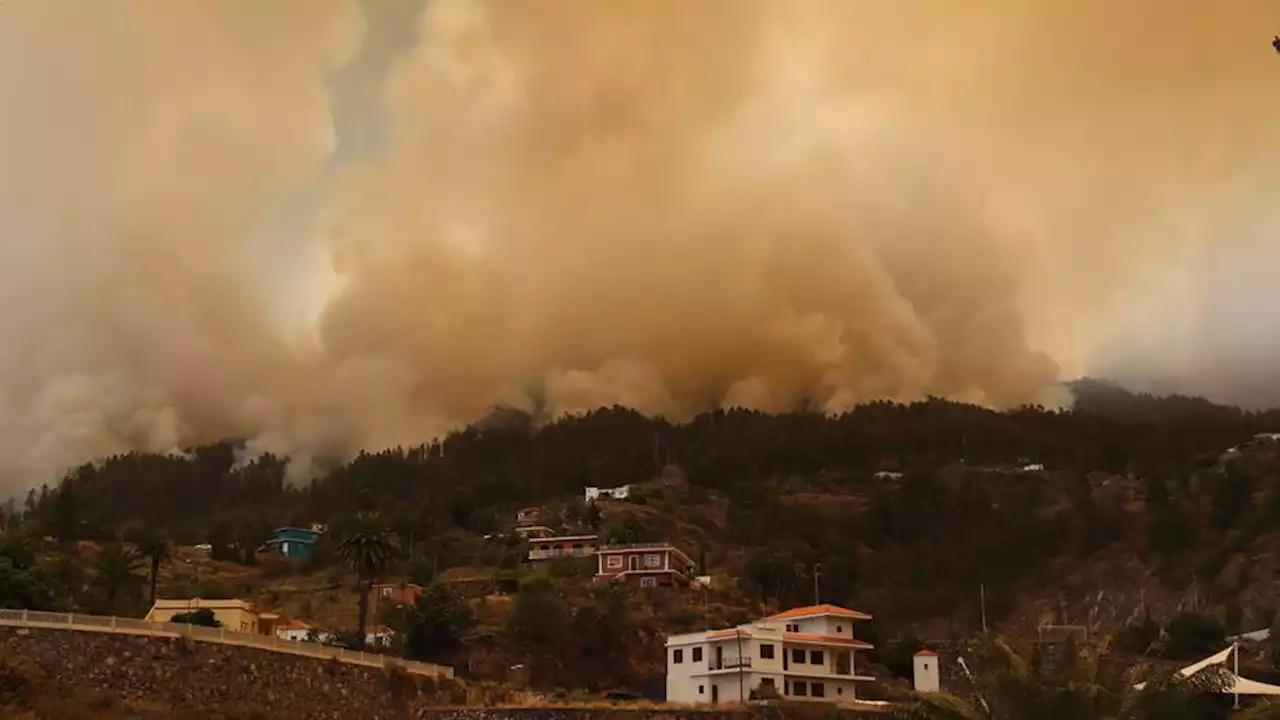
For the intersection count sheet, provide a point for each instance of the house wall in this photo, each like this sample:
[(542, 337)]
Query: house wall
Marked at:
[(293, 634), (232, 618), (834, 690)]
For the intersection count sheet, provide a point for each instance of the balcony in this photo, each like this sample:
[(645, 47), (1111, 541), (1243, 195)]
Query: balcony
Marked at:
[(638, 546), (729, 664), (570, 553)]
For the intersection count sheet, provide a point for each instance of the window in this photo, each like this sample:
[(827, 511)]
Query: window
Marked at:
[(766, 651), (697, 654), (653, 560), (797, 656), (925, 666), (817, 690), (677, 657), (767, 682), (793, 628), (815, 657), (799, 688), (839, 690), (614, 562), (839, 629), (702, 689), (648, 582)]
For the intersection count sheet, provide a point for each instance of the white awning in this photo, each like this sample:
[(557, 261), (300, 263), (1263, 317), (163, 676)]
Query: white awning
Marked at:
[(1239, 685)]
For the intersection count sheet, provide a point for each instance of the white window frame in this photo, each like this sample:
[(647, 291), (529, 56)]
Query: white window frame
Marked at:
[(653, 560), (648, 582), (613, 562)]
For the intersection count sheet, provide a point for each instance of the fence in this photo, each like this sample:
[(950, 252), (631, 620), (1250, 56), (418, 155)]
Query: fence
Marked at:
[(134, 626)]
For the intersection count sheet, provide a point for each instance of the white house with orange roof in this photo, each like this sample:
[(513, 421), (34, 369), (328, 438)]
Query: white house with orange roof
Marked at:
[(803, 654)]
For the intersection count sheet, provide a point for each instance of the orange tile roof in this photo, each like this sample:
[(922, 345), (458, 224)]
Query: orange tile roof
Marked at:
[(927, 653), (807, 637), (819, 610)]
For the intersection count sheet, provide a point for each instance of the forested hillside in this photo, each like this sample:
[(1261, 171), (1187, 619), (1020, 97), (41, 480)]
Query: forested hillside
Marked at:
[(902, 510)]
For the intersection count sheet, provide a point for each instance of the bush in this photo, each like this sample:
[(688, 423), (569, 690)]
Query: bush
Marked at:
[(507, 582), (1137, 635), (1192, 635), (203, 617)]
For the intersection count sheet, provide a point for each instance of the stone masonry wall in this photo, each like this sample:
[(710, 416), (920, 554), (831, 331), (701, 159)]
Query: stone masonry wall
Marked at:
[(187, 675)]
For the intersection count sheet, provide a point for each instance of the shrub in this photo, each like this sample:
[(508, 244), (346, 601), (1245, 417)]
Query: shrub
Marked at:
[(203, 617), (1137, 635), (1192, 635)]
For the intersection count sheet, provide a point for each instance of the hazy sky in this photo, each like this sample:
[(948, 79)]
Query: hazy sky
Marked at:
[(357, 223)]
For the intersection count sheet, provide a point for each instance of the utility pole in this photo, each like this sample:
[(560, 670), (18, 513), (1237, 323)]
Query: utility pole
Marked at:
[(817, 572), (706, 607), (1235, 652), (982, 603), (742, 685)]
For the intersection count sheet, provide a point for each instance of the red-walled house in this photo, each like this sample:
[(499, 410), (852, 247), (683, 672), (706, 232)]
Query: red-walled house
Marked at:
[(645, 565), (406, 594)]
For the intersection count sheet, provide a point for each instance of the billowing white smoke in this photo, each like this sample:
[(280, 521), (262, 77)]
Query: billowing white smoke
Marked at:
[(659, 203)]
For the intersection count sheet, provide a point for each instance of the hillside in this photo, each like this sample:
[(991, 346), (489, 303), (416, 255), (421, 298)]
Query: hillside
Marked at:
[(905, 511)]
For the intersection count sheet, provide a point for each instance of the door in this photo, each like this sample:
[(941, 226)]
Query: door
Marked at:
[(634, 562), (715, 694), (719, 657)]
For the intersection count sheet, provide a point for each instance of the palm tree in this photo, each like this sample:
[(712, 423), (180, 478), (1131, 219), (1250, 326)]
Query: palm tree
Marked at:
[(367, 548), (114, 569), (156, 548)]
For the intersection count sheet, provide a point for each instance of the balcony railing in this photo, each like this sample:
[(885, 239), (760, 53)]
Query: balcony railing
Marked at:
[(570, 553), (638, 546), (729, 663)]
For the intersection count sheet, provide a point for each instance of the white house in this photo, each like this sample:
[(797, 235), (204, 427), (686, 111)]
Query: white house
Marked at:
[(926, 676), (378, 636), (803, 654), (622, 492), (294, 630)]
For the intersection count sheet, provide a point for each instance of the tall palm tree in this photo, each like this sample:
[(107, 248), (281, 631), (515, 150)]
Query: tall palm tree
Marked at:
[(114, 571), (367, 548), (156, 548)]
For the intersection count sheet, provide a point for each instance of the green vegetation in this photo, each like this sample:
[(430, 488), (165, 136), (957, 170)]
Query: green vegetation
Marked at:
[(1013, 684), (775, 507), (203, 617)]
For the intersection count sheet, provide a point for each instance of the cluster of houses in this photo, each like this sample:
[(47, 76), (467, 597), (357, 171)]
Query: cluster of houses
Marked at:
[(243, 616), (644, 565), (804, 654)]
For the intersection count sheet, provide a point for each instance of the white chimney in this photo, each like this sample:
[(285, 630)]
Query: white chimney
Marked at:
[(925, 671)]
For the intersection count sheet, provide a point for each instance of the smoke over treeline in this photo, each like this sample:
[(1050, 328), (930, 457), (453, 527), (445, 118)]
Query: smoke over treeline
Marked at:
[(655, 203)]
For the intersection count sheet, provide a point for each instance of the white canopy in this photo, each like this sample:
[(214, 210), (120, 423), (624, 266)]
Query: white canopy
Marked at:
[(1239, 685)]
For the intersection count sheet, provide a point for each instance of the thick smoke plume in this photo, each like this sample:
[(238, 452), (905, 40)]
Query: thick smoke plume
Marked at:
[(659, 203)]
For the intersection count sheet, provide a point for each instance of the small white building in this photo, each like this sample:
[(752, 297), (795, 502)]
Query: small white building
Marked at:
[(622, 492), (294, 630), (803, 654), (378, 636), (925, 673)]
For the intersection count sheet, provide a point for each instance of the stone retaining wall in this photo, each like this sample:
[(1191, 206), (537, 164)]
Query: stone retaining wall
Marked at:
[(181, 674)]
